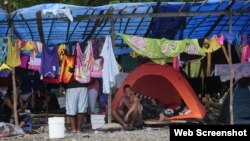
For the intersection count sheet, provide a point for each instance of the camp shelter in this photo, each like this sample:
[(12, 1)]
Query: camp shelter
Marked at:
[(165, 83)]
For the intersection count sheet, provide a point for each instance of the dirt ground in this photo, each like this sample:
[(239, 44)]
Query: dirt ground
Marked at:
[(145, 134)]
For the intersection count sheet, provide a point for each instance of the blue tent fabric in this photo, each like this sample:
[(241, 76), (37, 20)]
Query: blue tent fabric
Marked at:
[(61, 30)]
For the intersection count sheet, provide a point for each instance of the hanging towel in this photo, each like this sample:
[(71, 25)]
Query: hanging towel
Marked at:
[(50, 62), (110, 67), (84, 63), (162, 50), (3, 49), (13, 56)]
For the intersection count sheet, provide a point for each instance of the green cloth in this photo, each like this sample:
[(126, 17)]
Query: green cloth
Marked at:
[(194, 69), (162, 50)]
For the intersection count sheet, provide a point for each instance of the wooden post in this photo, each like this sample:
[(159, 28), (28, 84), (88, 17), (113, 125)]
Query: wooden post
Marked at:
[(230, 71), (111, 92), (209, 59), (15, 96), (14, 85)]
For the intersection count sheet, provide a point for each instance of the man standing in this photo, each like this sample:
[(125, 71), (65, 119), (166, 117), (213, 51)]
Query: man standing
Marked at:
[(76, 103)]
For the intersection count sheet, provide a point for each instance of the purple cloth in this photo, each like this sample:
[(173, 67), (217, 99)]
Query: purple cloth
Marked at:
[(97, 45), (244, 40), (229, 37), (237, 39), (4, 73), (49, 62)]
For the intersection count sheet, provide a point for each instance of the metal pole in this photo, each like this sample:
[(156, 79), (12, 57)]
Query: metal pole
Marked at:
[(231, 72)]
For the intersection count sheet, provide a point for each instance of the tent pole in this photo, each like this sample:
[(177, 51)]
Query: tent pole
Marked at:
[(14, 86), (110, 94), (230, 71)]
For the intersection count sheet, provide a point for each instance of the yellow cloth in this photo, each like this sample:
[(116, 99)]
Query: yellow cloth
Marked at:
[(28, 45), (211, 45), (4, 67), (13, 56), (61, 51)]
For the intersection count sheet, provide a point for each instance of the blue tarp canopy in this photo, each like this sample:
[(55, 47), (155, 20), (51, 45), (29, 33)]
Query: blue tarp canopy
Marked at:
[(60, 30)]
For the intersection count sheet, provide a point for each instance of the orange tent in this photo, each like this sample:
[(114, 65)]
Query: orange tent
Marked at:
[(165, 83)]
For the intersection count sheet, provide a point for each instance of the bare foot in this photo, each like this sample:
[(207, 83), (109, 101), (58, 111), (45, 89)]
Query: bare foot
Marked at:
[(162, 117), (126, 118)]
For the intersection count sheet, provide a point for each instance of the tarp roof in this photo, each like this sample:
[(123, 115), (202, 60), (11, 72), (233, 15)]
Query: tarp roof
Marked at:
[(60, 30)]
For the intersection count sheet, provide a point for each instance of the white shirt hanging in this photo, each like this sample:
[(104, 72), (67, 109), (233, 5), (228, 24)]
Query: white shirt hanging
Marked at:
[(110, 67)]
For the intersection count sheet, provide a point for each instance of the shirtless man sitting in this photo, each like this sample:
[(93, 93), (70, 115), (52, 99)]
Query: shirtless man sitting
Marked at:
[(131, 103)]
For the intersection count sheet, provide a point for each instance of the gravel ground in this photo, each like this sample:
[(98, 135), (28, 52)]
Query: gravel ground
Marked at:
[(146, 134)]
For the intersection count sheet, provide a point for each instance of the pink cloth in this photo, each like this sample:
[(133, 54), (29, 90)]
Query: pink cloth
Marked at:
[(245, 53), (84, 63), (24, 62), (220, 39), (176, 63), (35, 64)]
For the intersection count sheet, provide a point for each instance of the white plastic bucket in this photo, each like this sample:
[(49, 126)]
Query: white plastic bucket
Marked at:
[(97, 121), (56, 127)]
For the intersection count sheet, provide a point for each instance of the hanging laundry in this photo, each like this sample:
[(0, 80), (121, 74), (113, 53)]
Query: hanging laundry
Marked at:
[(110, 67), (25, 44), (5, 73), (245, 57), (3, 49), (35, 64), (84, 63), (211, 45), (61, 51), (229, 37), (67, 63), (237, 39), (176, 63), (244, 40), (162, 50), (50, 62), (194, 68), (59, 13), (97, 68), (220, 39), (39, 46), (4, 67), (97, 45), (192, 47), (24, 62), (240, 70), (13, 56)]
